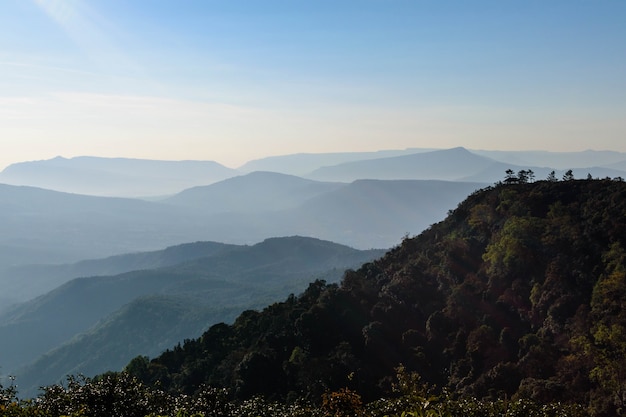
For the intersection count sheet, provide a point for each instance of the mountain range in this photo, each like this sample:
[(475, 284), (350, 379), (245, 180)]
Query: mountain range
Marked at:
[(119, 177), (460, 164), (25, 282), (93, 263), (256, 192), (143, 311), (123, 177), (48, 227), (42, 227), (303, 164), (450, 165)]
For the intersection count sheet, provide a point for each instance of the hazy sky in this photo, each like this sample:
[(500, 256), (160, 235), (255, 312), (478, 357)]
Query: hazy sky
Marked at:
[(235, 80)]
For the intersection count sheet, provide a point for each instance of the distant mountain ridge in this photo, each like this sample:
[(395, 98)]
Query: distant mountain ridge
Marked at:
[(302, 164), (305, 164), (386, 209), (27, 281), (120, 177), (449, 164), (127, 177), (255, 192), (556, 160), (460, 164), (46, 227)]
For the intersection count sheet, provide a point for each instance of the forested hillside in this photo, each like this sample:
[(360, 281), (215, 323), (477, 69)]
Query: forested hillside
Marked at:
[(518, 293), (93, 324)]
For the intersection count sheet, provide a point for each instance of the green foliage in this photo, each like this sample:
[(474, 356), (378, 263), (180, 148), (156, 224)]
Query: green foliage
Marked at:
[(517, 294), (184, 299), (512, 306), (516, 247), (111, 394), (8, 395), (123, 396), (604, 348), (414, 398)]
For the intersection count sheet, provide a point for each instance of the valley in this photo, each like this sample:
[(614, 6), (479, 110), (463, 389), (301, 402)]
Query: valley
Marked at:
[(88, 286)]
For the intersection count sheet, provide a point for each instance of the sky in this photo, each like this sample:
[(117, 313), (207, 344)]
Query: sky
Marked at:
[(231, 80)]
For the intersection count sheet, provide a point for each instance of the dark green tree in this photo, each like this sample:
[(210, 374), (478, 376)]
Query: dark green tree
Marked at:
[(522, 176), (510, 177)]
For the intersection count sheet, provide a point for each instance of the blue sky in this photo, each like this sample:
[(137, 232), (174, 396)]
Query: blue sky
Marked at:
[(236, 80)]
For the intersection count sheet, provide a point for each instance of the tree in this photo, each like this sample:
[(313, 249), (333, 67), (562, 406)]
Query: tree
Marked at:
[(510, 177), (568, 176), (552, 177), (8, 395), (531, 175), (138, 367), (609, 350), (522, 176)]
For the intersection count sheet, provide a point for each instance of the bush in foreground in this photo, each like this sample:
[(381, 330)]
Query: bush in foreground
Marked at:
[(121, 395)]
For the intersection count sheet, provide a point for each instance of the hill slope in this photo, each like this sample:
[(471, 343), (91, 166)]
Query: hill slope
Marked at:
[(519, 292), (46, 227), (448, 164), (217, 286), (28, 281), (386, 210), (43, 226), (145, 326), (254, 192)]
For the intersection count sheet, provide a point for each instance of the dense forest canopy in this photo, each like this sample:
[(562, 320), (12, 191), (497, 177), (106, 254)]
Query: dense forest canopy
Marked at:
[(517, 295)]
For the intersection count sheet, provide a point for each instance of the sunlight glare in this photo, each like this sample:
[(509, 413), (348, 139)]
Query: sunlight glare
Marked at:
[(89, 31)]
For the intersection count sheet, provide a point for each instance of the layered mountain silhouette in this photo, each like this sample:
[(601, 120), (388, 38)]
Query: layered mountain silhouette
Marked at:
[(47, 227), (136, 177), (43, 226), (449, 164), (254, 192), (115, 176), (206, 289), (25, 282), (304, 163), (517, 292), (556, 160), (460, 164)]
